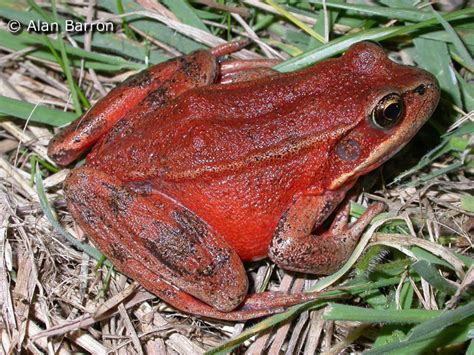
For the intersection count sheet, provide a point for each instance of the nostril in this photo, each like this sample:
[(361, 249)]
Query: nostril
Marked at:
[(420, 89)]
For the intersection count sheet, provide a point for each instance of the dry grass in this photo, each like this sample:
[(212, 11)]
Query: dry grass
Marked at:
[(48, 288)]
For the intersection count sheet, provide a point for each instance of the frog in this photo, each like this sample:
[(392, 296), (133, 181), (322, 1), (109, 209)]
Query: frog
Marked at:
[(198, 165)]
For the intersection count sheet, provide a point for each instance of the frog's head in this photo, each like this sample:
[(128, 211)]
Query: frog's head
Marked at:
[(390, 103)]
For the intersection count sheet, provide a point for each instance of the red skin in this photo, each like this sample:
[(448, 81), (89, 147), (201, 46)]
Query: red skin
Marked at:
[(198, 177)]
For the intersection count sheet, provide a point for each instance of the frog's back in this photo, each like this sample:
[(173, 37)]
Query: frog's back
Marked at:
[(225, 128), (222, 128)]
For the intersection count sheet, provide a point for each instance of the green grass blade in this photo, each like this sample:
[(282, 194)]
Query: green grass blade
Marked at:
[(434, 57), (104, 41), (296, 21), (428, 272), (423, 254), (470, 349), (126, 29), (25, 40), (260, 327), (337, 311), (456, 41), (321, 26), (293, 311), (66, 66), (467, 93), (151, 27), (40, 114), (442, 343), (340, 44), (467, 203), (332, 48), (402, 14), (447, 145), (428, 329), (124, 47), (185, 12), (466, 35)]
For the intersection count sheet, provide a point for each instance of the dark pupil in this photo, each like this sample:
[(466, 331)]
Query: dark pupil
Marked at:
[(392, 111)]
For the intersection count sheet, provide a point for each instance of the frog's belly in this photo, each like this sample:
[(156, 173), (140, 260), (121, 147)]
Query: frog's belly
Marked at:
[(247, 226), (251, 238), (244, 209), (249, 232)]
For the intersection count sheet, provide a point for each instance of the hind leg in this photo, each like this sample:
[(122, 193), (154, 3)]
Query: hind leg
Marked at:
[(153, 239), (167, 249)]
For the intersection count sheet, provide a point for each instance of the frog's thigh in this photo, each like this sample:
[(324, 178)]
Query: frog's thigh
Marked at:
[(153, 239), (294, 247)]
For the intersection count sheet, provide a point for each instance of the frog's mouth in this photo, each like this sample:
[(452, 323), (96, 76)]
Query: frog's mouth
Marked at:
[(424, 98)]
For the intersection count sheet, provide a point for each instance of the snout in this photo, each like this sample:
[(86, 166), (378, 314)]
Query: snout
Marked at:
[(420, 97), (426, 85)]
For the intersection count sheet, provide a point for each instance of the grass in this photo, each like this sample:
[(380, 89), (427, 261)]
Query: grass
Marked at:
[(406, 291)]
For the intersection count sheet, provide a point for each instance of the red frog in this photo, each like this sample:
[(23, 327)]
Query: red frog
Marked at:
[(198, 166)]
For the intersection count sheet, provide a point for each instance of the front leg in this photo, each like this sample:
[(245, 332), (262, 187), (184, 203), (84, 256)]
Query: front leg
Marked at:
[(294, 247), (139, 95)]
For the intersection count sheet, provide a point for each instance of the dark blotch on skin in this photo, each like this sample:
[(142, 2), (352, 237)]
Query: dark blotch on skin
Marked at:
[(58, 155), (120, 200), (141, 79), (277, 241), (158, 97), (190, 225), (191, 68), (222, 257), (193, 228), (167, 253), (168, 293), (175, 245), (118, 128), (119, 253), (421, 89), (348, 150)]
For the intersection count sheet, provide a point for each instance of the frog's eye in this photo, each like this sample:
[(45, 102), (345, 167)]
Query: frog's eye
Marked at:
[(388, 111)]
